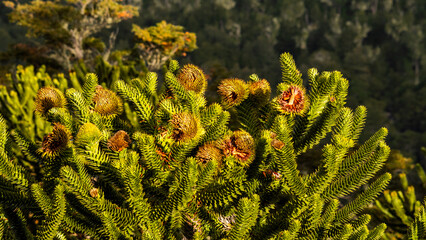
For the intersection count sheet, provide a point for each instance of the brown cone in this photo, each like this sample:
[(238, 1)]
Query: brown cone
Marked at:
[(293, 100), (240, 145), (48, 98), (119, 141), (192, 78), (54, 143), (233, 91), (185, 126), (107, 102), (208, 152)]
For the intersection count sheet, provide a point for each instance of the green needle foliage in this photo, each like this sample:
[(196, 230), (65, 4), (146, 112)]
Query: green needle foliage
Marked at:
[(168, 166), (403, 205)]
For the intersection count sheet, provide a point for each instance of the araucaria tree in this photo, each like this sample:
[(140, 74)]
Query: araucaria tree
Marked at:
[(158, 44), (67, 27), (174, 168)]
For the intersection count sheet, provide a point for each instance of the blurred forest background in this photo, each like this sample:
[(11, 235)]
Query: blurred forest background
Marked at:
[(379, 45)]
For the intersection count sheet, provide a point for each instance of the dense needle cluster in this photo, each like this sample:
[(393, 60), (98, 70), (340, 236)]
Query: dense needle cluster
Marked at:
[(260, 92), (179, 168)]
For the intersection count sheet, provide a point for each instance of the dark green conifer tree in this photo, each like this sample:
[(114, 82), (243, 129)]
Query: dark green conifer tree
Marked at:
[(172, 167)]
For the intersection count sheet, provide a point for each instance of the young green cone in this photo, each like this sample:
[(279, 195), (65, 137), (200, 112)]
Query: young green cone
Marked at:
[(88, 133)]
